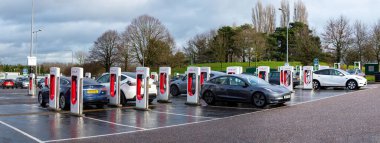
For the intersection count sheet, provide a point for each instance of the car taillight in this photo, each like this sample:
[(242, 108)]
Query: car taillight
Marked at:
[(104, 89)]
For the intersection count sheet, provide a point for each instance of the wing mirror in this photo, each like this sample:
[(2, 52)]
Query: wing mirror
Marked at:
[(245, 85), (341, 74)]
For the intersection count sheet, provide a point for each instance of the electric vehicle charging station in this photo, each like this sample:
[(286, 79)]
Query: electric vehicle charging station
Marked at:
[(263, 72), (308, 77), (54, 88), (76, 97), (47, 80), (142, 88), (234, 70), (205, 74), (32, 86), (357, 65), (193, 74), (164, 85), (115, 78), (87, 75), (154, 76), (286, 77), (336, 65)]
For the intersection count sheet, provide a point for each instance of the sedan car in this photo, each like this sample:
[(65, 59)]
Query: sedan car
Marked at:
[(337, 78), (128, 87), (179, 86), (8, 83), (274, 78), (22, 82), (245, 89), (93, 93)]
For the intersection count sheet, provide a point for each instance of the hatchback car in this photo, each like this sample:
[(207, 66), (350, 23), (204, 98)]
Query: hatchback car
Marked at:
[(179, 86), (337, 78), (128, 87), (93, 93), (8, 83), (22, 82), (245, 89)]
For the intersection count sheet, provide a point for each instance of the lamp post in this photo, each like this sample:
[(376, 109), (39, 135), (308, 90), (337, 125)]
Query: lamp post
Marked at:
[(287, 37), (35, 49), (31, 35)]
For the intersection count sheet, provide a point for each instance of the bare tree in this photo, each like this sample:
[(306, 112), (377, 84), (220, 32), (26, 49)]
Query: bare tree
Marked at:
[(80, 56), (125, 54), (264, 18), (360, 38), (141, 32), (300, 12), (376, 41), (337, 36), (270, 19), (105, 49), (285, 15)]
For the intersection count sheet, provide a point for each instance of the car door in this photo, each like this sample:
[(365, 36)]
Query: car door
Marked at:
[(339, 79), (220, 89), (237, 89), (324, 77)]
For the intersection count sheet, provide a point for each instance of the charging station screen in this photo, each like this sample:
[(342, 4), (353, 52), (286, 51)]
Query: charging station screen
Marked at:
[(162, 82), (52, 86), (112, 86), (138, 92), (190, 84), (73, 89)]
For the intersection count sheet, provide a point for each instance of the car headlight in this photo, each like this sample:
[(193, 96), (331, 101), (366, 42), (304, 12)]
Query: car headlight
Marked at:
[(359, 78)]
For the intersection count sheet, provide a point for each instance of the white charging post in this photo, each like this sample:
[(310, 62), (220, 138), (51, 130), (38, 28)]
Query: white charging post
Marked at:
[(357, 65), (336, 65), (193, 85), (142, 88), (286, 77), (234, 70), (154, 76), (76, 98), (115, 78), (263, 72), (32, 87), (307, 77), (54, 89), (88, 75), (205, 74), (164, 85)]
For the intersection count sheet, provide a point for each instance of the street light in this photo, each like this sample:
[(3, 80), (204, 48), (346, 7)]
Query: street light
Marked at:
[(35, 49), (287, 37)]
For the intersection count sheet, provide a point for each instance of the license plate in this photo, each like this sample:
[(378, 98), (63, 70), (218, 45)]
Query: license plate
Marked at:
[(286, 96), (92, 91)]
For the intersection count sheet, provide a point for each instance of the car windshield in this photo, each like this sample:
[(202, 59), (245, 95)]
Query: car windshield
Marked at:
[(253, 80), (351, 71), (130, 74)]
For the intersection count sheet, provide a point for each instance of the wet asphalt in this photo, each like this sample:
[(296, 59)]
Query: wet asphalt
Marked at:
[(350, 116)]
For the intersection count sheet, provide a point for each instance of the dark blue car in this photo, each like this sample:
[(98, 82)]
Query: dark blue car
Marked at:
[(93, 93)]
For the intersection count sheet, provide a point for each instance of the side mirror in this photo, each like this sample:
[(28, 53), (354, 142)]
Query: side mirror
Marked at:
[(245, 85), (341, 74)]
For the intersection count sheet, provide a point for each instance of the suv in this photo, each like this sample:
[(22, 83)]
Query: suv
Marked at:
[(337, 78)]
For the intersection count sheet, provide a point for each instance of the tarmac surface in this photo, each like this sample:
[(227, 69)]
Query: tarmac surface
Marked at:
[(332, 115)]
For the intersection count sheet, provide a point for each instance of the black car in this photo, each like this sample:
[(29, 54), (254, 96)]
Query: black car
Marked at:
[(243, 88), (274, 78), (93, 93)]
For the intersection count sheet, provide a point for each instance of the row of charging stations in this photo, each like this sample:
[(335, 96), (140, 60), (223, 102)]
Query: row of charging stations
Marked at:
[(196, 76)]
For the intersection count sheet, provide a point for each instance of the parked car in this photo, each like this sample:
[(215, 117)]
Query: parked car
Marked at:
[(337, 78), (243, 88), (179, 86), (22, 82), (128, 87), (93, 93), (8, 83), (356, 72), (274, 78)]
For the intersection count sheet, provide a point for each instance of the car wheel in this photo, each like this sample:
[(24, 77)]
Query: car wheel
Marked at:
[(99, 105), (351, 85), (174, 90), (123, 100), (209, 98), (258, 99), (62, 102), (41, 100), (316, 85)]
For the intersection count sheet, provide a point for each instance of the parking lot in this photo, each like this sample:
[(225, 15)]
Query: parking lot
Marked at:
[(23, 120)]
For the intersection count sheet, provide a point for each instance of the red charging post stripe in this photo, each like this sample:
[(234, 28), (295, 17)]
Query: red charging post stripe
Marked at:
[(30, 83), (202, 77), (73, 89), (112, 86), (190, 84), (162, 82), (138, 92), (52, 87)]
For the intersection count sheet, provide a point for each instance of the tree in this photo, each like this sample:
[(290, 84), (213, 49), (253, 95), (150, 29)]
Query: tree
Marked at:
[(285, 15), (306, 45), (264, 19), (300, 12), (80, 56), (143, 31), (376, 41), (337, 36), (360, 38), (105, 49)]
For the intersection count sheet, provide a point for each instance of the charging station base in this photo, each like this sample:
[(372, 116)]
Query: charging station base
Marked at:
[(193, 104), (54, 109), (164, 101), (115, 106), (142, 109), (75, 114)]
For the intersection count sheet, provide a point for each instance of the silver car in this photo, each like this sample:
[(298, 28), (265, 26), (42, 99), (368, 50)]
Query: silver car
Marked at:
[(179, 85)]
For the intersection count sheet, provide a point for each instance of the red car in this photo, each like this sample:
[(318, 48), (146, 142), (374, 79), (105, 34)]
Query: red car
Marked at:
[(8, 83)]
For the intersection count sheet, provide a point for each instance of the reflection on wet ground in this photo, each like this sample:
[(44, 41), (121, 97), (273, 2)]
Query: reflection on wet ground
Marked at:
[(22, 122)]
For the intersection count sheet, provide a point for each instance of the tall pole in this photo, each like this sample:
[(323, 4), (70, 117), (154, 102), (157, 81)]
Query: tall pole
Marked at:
[(31, 35), (287, 35)]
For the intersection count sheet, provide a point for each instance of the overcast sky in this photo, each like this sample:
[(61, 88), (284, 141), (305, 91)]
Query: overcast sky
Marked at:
[(75, 24)]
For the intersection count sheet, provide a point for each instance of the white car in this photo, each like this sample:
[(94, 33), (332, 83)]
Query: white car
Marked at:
[(128, 87), (337, 78)]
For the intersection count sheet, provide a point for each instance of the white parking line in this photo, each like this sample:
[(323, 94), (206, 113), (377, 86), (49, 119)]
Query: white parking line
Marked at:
[(214, 119), (115, 123), (22, 132), (183, 114)]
